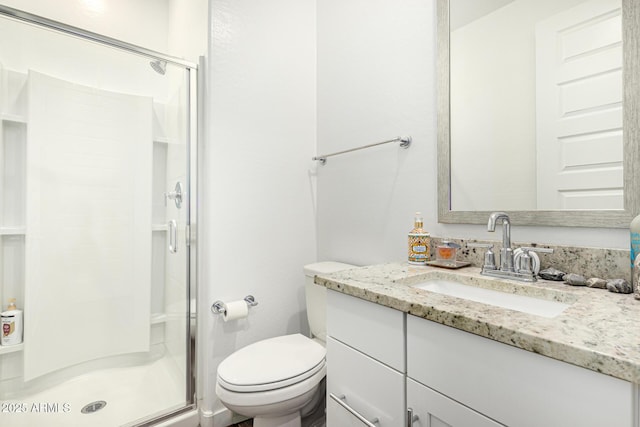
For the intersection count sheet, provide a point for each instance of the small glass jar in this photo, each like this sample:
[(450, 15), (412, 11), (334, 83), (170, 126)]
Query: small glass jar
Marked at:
[(447, 252)]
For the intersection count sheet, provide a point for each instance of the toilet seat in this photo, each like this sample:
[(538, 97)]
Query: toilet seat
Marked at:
[(272, 364), (272, 402)]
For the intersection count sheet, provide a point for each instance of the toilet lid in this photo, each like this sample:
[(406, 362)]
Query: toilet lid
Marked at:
[(272, 363)]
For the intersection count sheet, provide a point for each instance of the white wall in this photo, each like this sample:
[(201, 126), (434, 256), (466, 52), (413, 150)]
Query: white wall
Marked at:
[(174, 27), (258, 223), (188, 28), (140, 22), (26, 47), (376, 79)]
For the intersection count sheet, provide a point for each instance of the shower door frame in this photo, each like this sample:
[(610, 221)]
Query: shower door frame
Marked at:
[(194, 94)]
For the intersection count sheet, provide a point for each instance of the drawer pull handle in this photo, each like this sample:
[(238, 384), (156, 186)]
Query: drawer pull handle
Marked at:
[(411, 418), (340, 400)]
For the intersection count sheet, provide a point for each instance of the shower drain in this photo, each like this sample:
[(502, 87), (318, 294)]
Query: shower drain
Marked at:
[(93, 407)]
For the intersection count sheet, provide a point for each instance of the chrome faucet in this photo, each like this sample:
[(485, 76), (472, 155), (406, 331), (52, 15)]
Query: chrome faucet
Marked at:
[(519, 267), (506, 253)]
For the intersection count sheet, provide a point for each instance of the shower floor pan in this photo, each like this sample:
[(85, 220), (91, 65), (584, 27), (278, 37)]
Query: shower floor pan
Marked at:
[(130, 394)]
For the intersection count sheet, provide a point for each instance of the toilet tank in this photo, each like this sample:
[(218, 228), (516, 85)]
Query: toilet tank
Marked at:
[(317, 296)]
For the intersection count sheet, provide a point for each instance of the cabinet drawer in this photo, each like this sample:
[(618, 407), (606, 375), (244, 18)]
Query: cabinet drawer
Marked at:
[(431, 409), (373, 329), (513, 386), (369, 387)]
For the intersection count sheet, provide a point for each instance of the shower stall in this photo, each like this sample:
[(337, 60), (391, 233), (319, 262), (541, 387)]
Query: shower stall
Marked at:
[(97, 211)]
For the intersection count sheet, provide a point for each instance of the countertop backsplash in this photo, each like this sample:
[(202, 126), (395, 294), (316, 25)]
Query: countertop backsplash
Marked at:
[(588, 262)]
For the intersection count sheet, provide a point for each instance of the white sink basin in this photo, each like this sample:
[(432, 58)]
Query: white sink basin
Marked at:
[(523, 303)]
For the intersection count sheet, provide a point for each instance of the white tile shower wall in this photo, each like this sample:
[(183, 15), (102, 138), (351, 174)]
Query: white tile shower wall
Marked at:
[(258, 195), (376, 79), (13, 138)]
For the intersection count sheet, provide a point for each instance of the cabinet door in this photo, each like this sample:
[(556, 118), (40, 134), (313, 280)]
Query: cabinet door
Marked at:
[(514, 386), (367, 386), (431, 409)]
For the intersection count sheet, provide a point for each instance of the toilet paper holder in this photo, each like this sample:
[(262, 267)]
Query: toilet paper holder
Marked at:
[(218, 307)]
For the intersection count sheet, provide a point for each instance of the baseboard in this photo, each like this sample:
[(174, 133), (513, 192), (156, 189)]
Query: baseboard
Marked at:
[(221, 418)]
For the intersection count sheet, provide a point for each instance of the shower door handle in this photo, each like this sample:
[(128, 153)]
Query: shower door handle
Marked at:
[(173, 236)]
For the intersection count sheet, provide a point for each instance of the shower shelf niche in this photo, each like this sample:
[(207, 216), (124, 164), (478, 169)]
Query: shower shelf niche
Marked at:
[(12, 231), (11, 348), (157, 318), (15, 118)]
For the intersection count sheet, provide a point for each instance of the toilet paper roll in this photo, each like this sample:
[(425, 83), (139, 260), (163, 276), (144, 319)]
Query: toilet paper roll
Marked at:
[(235, 310)]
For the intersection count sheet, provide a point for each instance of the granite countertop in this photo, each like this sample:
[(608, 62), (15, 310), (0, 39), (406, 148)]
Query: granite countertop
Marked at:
[(600, 330)]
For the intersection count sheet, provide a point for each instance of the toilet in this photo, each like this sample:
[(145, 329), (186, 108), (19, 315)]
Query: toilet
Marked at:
[(277, 381)]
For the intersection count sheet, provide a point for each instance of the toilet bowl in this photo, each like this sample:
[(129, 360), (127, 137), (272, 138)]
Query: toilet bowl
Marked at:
[(276, 381), (272, 379)]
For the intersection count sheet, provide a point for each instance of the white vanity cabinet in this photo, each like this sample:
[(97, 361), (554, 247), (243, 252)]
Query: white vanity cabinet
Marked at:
[(463, 379), (431, 409), (365, 363), (452, 378)]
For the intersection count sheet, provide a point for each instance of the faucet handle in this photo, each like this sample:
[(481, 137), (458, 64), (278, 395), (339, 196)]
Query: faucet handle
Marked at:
[(489, 256), (539, 250), (528, 264), (480, 245), (524, 263)]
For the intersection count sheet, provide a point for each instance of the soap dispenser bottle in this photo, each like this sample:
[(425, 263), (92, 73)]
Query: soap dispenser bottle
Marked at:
[(419, 243), (11, 321)]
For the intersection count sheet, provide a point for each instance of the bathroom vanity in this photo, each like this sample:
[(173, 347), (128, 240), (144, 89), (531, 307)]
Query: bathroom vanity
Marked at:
[(405, 355)]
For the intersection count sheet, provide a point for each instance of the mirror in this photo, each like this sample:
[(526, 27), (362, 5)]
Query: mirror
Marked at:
[(531, 111)]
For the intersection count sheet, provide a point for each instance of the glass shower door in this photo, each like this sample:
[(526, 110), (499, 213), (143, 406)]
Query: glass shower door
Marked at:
[(95, 180)]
